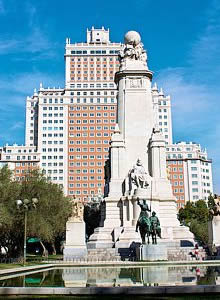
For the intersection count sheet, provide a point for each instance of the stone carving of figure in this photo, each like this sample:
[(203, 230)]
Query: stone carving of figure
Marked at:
[(77, 211), (168, 172), (216, 209), (133, 48), (139, 176), (143, 56)]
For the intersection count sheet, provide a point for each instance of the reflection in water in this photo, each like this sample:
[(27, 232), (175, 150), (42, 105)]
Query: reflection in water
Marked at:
[(116, 276)]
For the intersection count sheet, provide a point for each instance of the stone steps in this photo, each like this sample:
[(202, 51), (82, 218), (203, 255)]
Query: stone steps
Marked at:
[(184, 254), (109, 254)]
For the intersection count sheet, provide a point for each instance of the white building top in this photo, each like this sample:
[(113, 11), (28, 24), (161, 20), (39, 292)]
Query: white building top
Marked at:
[(186, 150), (97, 36), (16, 153)]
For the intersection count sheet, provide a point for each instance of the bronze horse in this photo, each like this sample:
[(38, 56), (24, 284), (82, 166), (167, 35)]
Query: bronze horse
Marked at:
[(148, 229)]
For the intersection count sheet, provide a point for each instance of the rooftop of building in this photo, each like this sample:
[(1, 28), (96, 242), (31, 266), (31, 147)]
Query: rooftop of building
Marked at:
[(15, 148), (158, 92), (187, 146), (59, 91), (187, 149), (94, 37)]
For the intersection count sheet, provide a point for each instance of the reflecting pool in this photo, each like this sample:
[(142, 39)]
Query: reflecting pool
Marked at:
[(116, 276)]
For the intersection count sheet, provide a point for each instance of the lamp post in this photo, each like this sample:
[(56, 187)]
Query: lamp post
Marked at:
[(26, 205)]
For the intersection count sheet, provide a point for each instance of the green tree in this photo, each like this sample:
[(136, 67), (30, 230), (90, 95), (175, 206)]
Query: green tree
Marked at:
[(53, 209), (10, 220), (92, 216), (195, 215), (211, 202), (46, 222)]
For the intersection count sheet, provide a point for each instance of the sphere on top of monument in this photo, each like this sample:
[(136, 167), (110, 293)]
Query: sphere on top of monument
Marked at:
[(132, 37)]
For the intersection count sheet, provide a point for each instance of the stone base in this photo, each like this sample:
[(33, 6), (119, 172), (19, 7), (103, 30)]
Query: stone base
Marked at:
[(173, 234), (106, 254), (74, 252), (214, 229), (153, 252), (101, 238), (128, 236), (75, 246)]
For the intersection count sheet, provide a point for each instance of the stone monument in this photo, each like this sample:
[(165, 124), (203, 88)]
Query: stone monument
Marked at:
[(214, 223), (137, 168), (75, 246)]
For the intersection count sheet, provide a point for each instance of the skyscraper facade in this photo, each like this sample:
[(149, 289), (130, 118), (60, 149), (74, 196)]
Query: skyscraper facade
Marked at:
[(190, 172)]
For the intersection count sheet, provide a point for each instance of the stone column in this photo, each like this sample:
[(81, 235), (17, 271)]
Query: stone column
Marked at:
[(135, 111), (158, 155), (117, 164), (136, 212), (126, 213), (113, 215)]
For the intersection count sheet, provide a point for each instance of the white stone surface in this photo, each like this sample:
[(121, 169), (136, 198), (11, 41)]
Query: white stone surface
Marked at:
[(135, 116), (214, 231), (132, 37), (153, 252), (101, 238), (128, 236), (75, 240)]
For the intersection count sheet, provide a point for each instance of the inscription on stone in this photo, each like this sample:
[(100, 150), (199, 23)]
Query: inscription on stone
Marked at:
[(135, 83)]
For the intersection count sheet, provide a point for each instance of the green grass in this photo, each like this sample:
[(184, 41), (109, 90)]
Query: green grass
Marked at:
[(19, 265), (50, 257), (32, 260), (9, 266)]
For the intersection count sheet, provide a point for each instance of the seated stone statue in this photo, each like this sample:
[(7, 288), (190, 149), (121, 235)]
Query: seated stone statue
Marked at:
[(155, 224), (139, 176)]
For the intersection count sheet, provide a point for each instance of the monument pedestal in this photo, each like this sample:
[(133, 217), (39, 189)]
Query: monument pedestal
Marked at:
[(101, 238), (128, 236), (152, 252), (75, 246), (214, 230)]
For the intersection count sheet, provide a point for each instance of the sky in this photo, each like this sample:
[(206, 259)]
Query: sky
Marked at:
[(182, 39)]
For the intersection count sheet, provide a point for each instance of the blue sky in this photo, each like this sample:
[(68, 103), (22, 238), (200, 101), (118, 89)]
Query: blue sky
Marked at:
[(182, 39)]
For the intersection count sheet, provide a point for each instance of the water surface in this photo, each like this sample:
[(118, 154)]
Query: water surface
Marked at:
[(116, 276)]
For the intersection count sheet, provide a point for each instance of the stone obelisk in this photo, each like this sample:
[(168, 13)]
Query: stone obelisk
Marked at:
[(137, 159)]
